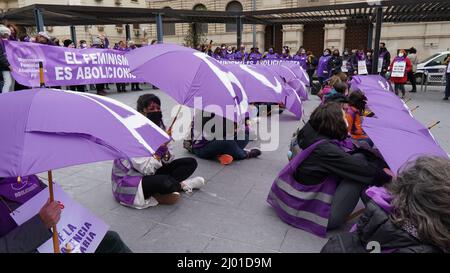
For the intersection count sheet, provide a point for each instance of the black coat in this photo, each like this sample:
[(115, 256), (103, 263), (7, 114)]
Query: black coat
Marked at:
[(329, 159), (4, 64), (375, 226), (334, 65)]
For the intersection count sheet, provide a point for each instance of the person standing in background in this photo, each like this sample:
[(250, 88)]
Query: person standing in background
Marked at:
[(412, 56), (384, 60), (5, 68), (447, 76)]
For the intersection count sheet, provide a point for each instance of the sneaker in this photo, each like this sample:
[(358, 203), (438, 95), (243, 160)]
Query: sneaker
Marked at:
[(253, 153), (167, 199), (446, 98), (193, 184), (225, 159)]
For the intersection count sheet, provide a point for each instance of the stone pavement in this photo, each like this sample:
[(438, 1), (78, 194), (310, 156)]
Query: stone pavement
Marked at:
[(230, 213)]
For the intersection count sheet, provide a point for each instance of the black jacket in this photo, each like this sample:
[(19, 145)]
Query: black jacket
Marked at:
[(329, 159), (375, 226), (4, 64), (334, 65)]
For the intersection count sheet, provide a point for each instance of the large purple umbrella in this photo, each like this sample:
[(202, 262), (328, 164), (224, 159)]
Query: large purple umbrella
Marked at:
[(191, 77), (298, 71), (291, 79), (260, 84), (45, 129), (368, 83), (398, 145)]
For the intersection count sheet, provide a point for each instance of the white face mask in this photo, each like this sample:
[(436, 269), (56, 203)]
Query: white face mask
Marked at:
[(400, 55)]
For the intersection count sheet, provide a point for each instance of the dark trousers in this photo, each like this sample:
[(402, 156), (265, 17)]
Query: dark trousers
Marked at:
[(412, 80), (79, 88), (121, 87), (135, 86), (18, 86), (167, 179), (447, 86), (214, 148), (100, 87), (345, 199), (399, 87), (310, 75), (112, 243)]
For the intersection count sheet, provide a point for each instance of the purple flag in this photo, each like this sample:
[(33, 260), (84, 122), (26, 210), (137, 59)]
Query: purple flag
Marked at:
[(67, 66)]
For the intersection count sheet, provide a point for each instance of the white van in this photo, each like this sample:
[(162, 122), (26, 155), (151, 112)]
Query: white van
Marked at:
[(433, 66)]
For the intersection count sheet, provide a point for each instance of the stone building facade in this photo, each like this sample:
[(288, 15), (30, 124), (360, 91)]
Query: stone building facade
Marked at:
[(428, 38)]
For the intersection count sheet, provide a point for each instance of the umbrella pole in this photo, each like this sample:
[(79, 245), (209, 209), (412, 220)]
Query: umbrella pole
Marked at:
[(415, 108), (434, 124), (174, 119), (55, 233), (41, 74)]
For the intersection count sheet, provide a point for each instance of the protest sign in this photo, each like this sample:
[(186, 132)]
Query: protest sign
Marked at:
[(362, 68), (398, 69), (79, 231)]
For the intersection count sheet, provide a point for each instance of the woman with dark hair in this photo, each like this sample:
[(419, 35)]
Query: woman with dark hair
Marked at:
[(356, 106), (215, 137), (399, 69), (327, 178), (322, 68), (412, 56), (217, 53), (410, 215), (334, 64), (286, 53), (148, 181)]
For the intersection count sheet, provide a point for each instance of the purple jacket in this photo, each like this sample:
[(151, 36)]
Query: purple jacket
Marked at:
[(303, 59), (322, 67)]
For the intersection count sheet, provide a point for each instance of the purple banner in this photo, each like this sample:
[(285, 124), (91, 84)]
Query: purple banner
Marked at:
[(262, 61), (67, 66)]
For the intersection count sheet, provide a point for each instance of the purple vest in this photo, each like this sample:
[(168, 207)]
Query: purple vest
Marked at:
[(13, 192), (254, 57), (124, 186), (303, 59), (303, 206), (272, 56), (323, 63)]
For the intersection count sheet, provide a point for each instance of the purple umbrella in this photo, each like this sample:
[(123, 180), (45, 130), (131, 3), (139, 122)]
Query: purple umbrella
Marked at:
[(291, 79), (369, 83), (260, 83), (298, 71), (398, 145), (45, 129), (190, 76), (294, 103)]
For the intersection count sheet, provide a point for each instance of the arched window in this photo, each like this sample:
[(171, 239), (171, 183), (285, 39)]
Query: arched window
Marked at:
[(168, 28), (233, 6), (203, 27)]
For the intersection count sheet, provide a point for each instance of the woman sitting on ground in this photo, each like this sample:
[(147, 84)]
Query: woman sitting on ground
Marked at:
[(329, 175), (148, 181), (356, 107), (226, 145), (410, 215)]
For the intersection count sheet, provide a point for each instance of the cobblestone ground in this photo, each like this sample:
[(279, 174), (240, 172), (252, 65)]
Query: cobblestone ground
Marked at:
[(230, 213)]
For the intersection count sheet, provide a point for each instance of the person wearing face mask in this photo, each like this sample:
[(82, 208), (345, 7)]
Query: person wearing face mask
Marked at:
[(223, 51), (217, 53), (322, 68), (334, 65), (384, 60), (148, 181), (302, 58), (241, 54), (285, 54), (399, 69), (359, 63), (271, 54), (254, 55), (229, 55), (80, 88), (412, 56), (328, 165)]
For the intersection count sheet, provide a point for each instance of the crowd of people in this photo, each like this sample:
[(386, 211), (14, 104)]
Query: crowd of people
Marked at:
[(334, 163)]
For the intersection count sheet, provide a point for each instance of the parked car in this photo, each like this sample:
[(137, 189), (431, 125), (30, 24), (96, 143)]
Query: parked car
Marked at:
[(433, 66)]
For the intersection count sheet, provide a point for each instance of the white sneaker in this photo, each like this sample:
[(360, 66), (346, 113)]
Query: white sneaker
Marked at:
[(193, 183)]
